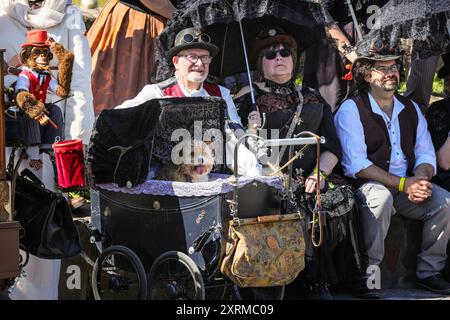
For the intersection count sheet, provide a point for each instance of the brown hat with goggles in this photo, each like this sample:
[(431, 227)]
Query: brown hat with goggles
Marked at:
[(191, 38), (378, 50)]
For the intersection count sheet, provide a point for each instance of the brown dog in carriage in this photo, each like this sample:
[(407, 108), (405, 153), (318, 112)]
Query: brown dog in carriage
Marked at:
[(192, 161)]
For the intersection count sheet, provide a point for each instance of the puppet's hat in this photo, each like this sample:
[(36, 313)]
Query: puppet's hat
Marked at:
[(36, 38)]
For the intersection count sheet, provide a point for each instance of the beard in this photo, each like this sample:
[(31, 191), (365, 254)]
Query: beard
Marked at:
[(197, 77), (390, 86)]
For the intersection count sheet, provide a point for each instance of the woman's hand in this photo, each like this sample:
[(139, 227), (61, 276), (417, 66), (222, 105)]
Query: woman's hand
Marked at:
[(254, 121), (311, 181), (351, 56)]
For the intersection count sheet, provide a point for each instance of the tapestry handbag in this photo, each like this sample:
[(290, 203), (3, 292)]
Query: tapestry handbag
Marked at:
[(48, 228), (264, 251)]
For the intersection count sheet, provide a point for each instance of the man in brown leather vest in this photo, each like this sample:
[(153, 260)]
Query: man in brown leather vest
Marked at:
[(388, 152)]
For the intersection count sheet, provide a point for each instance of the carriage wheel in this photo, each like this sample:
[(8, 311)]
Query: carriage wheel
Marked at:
[(119, 274), (175, 276), (266, 293)]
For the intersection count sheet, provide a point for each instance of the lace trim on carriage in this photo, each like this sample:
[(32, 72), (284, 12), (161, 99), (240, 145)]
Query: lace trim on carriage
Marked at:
[(220, 184)]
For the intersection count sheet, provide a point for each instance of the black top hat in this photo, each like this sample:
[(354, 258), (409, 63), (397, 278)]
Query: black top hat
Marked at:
[(191, 38), (272, 35)]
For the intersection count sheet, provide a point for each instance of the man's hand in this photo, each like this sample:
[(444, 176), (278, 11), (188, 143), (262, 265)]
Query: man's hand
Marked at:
[(311, 181), (418, 189), (254, 121)]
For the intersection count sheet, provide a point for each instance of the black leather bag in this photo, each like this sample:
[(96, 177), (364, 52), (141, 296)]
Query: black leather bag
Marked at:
[(46, 219), (13, 131)]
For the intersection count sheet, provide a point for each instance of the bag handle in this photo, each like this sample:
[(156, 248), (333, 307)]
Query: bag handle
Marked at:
[(26, 173), (318, 209), (267, 219)]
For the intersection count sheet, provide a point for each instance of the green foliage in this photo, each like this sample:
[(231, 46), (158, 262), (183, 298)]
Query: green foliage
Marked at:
[(438, 86), (402, 87), (82, 193)]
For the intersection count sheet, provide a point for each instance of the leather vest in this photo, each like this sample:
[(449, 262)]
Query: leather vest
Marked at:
[(376, 135)]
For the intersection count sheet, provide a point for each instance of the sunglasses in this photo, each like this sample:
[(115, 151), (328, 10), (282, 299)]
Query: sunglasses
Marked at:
[(202, 37), (39, 51), (272, 54)]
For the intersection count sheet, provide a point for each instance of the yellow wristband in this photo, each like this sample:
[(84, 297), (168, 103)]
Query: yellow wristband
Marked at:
[(322, 173), (401, 184)]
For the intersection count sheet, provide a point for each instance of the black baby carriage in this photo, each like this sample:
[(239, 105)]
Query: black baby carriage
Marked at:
[(172, 233), (161, 237)]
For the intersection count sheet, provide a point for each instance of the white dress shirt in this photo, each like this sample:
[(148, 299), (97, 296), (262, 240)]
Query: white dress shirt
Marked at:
[(152, 91), (351, 135)]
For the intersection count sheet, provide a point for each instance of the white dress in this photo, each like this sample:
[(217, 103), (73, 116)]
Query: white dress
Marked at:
[(64, 24)]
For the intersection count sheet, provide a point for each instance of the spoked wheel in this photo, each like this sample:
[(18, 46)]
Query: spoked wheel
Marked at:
[(175, 276), (118, 274), (266, 293)]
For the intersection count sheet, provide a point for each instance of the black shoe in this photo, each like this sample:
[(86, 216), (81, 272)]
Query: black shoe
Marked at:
[(362, 291), (435, 283), (319, 291)]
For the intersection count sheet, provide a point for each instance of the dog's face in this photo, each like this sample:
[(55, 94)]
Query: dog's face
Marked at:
[(198, 161)]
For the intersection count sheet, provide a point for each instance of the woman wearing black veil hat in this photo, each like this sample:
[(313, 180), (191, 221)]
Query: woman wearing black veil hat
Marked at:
[(292, 109)]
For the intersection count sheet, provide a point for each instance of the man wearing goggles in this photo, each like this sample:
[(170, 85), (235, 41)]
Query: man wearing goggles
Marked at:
[(388, 152), (191, 56)]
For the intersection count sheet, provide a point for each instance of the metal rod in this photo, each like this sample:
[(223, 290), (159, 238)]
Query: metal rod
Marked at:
[(223, 51), (355, 21), (252, 94), (290, 169), (289, 142), (2, 119)]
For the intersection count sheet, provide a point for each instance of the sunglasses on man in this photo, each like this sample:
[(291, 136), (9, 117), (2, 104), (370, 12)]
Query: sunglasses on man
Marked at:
[(272, 54)]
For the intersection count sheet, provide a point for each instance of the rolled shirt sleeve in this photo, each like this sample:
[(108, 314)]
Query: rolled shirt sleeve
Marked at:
[(231, 108), (424, 149), (150, 91), (351, 135)]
